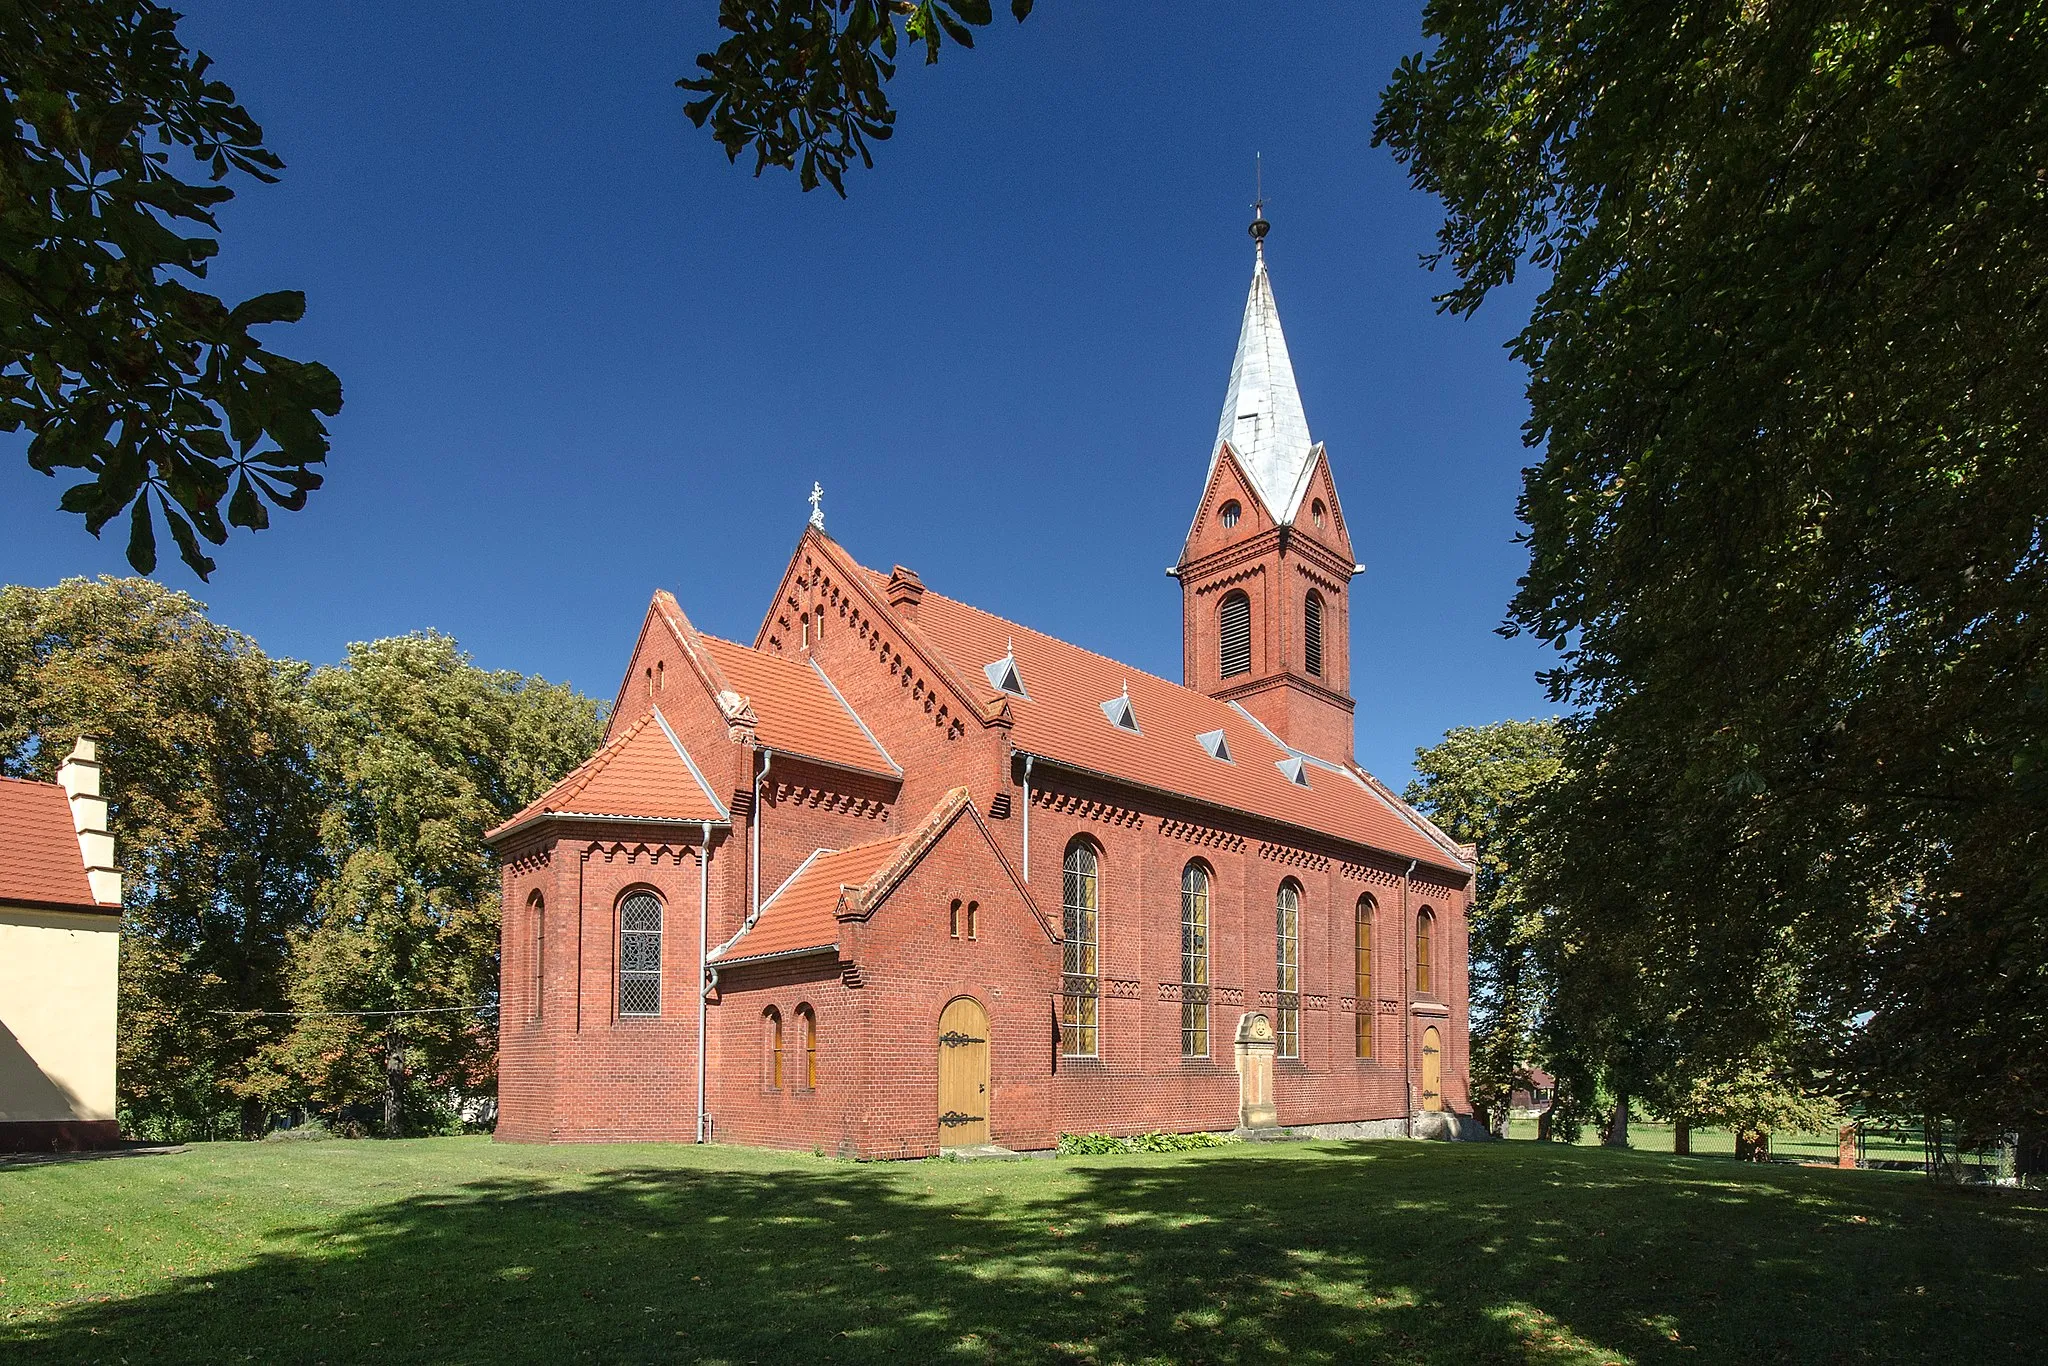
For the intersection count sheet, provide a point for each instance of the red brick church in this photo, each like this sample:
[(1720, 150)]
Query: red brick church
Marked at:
[(899, 875)]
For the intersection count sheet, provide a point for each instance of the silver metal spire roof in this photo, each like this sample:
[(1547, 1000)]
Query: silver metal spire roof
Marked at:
[(1262, 416)]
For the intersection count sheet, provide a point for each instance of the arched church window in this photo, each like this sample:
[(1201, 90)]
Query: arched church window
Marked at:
[(1229, 513), (1287, 975), (808, 1018), (1361, 951), (1194, 961), (1080, 983), (537, 912), (772, 1018), (1425, 934), (640, 955), (1234, 634), (1312, 632)]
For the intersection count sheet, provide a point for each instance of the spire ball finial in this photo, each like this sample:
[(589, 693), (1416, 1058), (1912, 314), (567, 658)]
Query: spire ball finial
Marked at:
[(817, 505), (1259, 225)]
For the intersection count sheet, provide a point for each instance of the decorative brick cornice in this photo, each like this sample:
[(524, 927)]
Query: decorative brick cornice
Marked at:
[(1293, 857), (819, 797), (636, 851), (1207, 836), (1119, 988), (1087, 808)]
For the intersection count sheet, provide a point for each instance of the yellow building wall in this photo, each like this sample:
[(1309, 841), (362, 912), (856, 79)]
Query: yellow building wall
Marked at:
[(58, 977)]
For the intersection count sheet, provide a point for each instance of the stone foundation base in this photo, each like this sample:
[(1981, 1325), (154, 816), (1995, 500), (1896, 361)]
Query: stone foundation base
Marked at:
[(1355, 1128), (1446, 1124), (58, 1135)]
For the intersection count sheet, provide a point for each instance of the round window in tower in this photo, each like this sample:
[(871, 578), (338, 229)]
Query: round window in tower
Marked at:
[(1229, 513)]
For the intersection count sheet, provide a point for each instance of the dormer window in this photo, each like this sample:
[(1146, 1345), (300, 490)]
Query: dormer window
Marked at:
[(1005, 678), (1121, 714), (1213, 742), (1229, 513), (1295, 770)]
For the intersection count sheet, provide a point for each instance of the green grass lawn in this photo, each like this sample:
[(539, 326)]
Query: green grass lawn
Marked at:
[(460, 1250)]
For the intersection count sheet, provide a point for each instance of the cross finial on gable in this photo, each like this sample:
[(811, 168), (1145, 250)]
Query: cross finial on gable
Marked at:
[(817, 505)]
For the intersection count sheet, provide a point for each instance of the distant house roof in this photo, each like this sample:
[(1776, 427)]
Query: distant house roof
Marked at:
[(644, 774), (40, 862), (798, 710), (1061, 715)]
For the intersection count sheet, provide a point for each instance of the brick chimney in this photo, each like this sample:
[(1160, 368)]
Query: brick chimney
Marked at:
[(905, 591), (80, 779)]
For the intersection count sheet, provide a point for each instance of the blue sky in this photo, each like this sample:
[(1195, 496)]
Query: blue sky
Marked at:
[(585, 358)]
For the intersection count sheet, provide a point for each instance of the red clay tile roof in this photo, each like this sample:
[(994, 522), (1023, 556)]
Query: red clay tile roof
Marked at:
[(644, 773), (802, 912), (1062, 719), (797, 709), (39, 858)]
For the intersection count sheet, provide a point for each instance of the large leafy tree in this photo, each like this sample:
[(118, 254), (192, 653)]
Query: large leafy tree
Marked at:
[(213, 812), (1478, 784), (418, 753), (1790, 521), (117, 146), (802, 81)]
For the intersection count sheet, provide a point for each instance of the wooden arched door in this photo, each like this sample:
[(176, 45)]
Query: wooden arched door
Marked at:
[(963, 1074), (1432, 1069)]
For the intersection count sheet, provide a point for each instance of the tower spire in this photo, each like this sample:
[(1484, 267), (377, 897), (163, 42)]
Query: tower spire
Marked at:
[(1262, 419)]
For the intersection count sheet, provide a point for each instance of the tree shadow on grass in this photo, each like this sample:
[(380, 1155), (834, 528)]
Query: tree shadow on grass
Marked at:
[(1332, 1253)]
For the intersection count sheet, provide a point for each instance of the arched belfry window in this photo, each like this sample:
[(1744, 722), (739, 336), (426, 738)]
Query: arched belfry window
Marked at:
[(1312, 632), (1194, 961), (1425, 937), (1080, 979), (1229, 513), (640, 955), (1287, 963), (1234, 634), (1361, 951)]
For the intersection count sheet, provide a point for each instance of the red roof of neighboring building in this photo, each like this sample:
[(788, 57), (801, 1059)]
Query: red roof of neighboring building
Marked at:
[(1061, 719), (797, 709), (644, 773), (40, 862)]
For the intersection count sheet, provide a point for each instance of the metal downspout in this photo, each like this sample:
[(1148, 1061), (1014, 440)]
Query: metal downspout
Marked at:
[(703, 973), (1407, 1004), (754, 836), (1027, 819)]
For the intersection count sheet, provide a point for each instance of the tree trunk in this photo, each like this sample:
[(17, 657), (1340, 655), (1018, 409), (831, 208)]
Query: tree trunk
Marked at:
[(1543, 1126), (1617, 1127), (1752, 1145), (394, 1082), (1681, 1138)]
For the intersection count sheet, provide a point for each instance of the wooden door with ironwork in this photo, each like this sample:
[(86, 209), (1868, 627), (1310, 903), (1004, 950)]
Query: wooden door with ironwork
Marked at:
[(963, 1074), (1432, 1069)]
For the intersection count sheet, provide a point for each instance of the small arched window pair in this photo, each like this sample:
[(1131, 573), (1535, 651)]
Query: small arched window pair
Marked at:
[(968, 915), (807, 1031)]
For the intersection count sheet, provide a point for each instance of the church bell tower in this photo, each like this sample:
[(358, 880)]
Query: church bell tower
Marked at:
[(1266, 570)]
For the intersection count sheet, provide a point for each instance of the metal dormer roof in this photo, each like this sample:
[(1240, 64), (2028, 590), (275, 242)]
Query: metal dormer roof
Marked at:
[(1263, 421)]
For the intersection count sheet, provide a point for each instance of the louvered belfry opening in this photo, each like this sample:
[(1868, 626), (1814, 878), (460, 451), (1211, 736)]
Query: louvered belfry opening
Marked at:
[(1234, 635), (1312, 633)]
